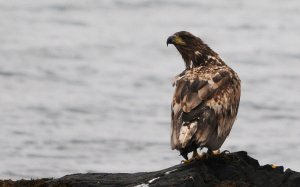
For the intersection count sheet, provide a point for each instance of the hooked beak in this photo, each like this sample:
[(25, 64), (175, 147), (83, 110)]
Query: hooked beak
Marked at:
[(171, 40)]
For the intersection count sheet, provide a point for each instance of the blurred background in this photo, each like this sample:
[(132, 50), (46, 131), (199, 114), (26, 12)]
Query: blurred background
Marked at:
[(86, 85)]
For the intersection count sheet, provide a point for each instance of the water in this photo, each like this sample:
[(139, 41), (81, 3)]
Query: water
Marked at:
[(86, 85)]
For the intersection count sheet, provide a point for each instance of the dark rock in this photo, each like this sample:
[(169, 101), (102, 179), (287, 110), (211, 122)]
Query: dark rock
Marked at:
[(233, 169)]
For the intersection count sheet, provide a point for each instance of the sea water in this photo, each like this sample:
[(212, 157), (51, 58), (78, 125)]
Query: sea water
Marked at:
[(86, 86)]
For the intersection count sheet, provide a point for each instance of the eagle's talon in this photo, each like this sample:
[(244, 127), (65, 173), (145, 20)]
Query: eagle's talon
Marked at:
[(185, 161)]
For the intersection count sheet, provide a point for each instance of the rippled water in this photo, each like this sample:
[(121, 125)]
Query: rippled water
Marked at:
[(86, 85)]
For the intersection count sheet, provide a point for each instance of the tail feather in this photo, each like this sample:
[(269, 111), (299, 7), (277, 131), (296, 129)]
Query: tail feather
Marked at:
[(187, 131)]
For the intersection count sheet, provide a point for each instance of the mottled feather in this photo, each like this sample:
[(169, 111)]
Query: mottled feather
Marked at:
[(206, 98)]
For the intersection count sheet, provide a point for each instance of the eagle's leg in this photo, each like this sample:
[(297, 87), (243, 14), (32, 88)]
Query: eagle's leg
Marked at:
[(213, 153), (187, 160), (197, 156)]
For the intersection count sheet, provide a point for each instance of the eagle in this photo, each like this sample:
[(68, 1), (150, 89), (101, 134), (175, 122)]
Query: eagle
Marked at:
[(206, 98)]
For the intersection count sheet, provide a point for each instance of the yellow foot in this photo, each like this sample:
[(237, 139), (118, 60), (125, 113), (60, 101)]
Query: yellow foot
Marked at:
[(273, 166), (187, 161)]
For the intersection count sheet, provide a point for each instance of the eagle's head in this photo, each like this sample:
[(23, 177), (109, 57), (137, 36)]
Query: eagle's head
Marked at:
[(184, 38), (192, 49)]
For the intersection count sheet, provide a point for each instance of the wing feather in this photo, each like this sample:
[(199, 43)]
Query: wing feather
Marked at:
[(194, 89)]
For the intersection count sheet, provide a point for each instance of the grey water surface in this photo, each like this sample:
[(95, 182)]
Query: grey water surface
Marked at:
[(85, 86)]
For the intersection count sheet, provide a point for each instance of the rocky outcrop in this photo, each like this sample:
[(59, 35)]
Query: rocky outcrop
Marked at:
[(233, 169)]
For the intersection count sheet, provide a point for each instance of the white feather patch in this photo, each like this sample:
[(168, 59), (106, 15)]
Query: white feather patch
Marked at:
[(186, 133), (211, 57)]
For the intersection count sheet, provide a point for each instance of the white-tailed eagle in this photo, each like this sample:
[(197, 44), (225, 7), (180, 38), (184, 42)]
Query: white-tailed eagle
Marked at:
[(206, 97)]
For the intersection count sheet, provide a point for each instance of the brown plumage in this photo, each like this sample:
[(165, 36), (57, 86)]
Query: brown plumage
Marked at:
[(206, 97)]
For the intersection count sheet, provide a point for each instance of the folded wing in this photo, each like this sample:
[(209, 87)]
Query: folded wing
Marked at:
[(199, 96)]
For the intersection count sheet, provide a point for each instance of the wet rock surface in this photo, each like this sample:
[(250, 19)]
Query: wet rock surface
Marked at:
[(233, 169)]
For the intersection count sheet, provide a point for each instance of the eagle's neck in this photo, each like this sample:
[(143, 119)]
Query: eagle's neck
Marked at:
[(200, 55)]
